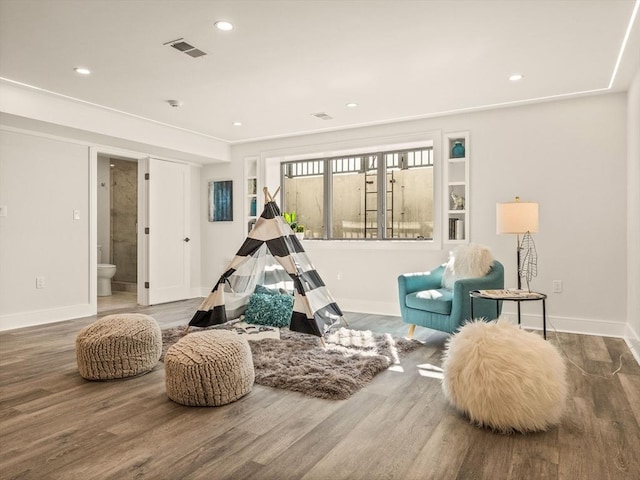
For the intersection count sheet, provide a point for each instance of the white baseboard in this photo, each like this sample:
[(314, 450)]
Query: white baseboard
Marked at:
[(583, 326), (633, 342), (368, 306), (51, 315), (197, 292)]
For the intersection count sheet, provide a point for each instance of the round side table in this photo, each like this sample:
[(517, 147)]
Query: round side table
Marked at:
[(511, 296)]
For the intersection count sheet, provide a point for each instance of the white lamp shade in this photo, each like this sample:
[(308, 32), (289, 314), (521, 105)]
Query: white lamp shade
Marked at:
[(516, 217)]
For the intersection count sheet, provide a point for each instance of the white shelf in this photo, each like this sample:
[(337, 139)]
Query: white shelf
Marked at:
[(456, 172), (252, 187)]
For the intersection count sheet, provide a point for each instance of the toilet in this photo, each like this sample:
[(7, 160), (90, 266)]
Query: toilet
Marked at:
[(106, 271)]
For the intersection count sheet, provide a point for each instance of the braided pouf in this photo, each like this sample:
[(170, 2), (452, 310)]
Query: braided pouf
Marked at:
[(209, 369), (118, 346)]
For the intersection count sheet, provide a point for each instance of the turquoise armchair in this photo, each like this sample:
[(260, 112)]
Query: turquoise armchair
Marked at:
[(424, 302)]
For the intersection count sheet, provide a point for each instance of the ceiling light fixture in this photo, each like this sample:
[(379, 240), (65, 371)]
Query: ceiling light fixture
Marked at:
[(237, 124), (82, 71), (175, 103), (352, 105), (515, 77), (224, 26)]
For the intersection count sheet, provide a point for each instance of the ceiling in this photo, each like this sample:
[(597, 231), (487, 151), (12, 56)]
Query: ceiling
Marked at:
[(287, 60)]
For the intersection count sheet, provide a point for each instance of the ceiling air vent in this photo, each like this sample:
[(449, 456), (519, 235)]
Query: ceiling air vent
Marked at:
[(184, 47), (322, 116)]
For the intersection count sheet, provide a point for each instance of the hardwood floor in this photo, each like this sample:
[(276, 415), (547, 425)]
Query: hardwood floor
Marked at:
[(55, 425)]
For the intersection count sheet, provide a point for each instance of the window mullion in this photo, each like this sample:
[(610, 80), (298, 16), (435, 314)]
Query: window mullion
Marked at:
[(328, 199), (382, 194)]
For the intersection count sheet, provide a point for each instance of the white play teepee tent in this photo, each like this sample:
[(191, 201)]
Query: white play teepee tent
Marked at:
[(273, 255)]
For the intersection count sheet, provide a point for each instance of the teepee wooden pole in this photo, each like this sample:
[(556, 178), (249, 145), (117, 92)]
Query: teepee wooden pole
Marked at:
[(268, 197)]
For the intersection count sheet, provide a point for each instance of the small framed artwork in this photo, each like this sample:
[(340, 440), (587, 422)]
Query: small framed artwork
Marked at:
[(221, 201)]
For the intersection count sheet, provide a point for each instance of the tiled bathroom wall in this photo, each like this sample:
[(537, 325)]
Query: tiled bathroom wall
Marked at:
[(124, 215)]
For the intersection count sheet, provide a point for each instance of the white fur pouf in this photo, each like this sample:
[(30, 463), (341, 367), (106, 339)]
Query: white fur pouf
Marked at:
[(504, 378)]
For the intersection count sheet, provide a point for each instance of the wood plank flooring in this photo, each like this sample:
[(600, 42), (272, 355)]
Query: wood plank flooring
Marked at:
[(55, 425)]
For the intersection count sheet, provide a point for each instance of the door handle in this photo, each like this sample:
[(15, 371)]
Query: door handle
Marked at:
[(187, 239)]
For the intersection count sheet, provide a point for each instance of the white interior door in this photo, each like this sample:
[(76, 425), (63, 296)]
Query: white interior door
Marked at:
[(168, 231)]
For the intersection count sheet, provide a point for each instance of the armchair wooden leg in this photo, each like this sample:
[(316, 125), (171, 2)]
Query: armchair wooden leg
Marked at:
[(412, 329)]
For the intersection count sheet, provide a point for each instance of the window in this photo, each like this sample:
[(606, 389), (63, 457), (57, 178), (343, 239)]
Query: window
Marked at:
[(303, 193), (377, 195)]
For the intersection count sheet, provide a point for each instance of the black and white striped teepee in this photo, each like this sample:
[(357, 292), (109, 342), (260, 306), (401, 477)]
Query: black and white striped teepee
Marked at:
[(314, 309)]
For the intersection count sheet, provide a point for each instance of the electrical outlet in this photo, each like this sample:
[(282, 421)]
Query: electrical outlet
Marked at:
[(76, 214), (557, 286), (339, 275), (39, 282)]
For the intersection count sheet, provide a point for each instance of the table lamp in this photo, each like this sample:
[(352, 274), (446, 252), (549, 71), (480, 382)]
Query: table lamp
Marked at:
[(520, 218)]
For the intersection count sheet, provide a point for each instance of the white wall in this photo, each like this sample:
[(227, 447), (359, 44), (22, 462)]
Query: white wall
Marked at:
[(42, 181), (633, 216), (570, 156), (221, 240)]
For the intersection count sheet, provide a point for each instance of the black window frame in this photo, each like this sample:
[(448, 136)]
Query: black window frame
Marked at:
[(404, 158)]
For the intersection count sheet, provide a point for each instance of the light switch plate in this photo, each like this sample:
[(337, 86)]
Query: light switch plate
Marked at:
[(4, 210)]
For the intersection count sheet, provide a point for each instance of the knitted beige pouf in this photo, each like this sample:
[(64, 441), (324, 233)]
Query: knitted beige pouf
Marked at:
[(118, 346), (209, 369)]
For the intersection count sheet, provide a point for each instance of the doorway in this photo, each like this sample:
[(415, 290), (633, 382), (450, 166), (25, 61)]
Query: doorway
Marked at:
[(117, 229), (154, 262)]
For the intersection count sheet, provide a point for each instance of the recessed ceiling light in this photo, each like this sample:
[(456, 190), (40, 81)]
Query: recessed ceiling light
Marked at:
[(352, 105), (516, 77), (224, 26), (237, 124), (82, 71)]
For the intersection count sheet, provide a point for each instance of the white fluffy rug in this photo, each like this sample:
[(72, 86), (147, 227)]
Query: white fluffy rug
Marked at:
[(504, 378)]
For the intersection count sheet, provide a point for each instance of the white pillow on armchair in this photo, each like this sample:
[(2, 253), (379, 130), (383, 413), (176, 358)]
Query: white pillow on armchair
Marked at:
[(467, 261)]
